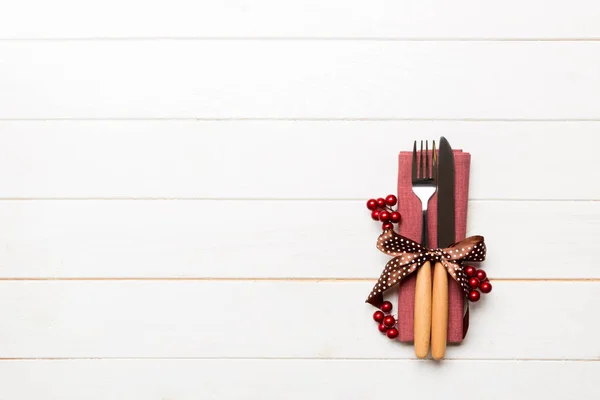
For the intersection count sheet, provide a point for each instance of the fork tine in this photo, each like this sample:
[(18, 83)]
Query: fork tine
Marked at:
[(434, 163), (427, 159), (414, 162), (421, 162)]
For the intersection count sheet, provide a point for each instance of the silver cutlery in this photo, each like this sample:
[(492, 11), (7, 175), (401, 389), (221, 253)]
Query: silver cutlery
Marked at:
[(424, 180)]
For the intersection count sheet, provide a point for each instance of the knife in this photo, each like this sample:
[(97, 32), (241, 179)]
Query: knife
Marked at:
[(446, 236)]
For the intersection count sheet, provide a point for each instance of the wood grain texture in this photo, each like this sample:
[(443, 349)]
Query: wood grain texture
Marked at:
[(439, 312), (285, 159), (521, 320), (307, 18), (307, 79), (246, 239), (272, 379), (422, 324)]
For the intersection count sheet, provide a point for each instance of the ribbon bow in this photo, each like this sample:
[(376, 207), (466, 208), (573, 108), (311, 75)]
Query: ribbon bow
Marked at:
[(410, 255)]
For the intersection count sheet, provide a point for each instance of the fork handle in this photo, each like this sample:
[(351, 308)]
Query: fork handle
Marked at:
[(422, 318), (439, 312), (424, 240)]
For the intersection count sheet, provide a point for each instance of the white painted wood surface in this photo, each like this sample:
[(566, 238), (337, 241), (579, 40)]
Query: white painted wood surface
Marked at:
[(299, 79), (285, 159), (268, 379), (381, 19), (248, 239), (182, 190), (277, 319)]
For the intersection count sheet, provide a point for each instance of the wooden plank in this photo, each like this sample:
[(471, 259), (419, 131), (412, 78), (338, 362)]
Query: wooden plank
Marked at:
[(276, 319), (285, 159), (308, 18), (299, 79), (270, 239), (277, 379)]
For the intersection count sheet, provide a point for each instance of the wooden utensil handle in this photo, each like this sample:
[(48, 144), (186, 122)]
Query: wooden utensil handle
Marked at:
[(439, 312), (422, 318)]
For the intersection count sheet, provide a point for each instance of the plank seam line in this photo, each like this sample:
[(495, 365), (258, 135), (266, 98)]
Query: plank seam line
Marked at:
[(294, 359), (292, 119), (298, 199), (458, 39), (267, 279)]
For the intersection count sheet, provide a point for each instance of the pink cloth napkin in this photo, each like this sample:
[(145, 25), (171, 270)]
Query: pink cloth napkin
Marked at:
[(410, 208)]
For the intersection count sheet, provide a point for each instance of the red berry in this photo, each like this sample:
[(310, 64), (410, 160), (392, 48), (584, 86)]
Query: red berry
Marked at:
[(391, 200), (392, 333), (474, 283), (372, 204), (381, 202), (382, 328), (481, 275), (386, 306), (485, 287), (378, 316), (470, 271), (389, 321), (474, 296), (395, 217), (387, 225), (384, 216), (375, 215)]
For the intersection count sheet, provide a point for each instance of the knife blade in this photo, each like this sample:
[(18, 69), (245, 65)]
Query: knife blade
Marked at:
[(446, 231), (446, 235)]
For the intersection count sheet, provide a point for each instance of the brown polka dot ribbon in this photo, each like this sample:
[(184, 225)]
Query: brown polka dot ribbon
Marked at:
[(410, 255)]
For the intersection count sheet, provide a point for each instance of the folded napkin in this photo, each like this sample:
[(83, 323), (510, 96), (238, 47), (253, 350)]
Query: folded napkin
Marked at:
[(410, 208)]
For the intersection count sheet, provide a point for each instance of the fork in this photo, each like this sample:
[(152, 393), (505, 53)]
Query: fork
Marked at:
[(424, 186)]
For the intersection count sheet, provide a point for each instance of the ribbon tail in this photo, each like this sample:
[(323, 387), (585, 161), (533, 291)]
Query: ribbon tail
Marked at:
[(457, 273), (376, 300), (466, 321), (395, 270)]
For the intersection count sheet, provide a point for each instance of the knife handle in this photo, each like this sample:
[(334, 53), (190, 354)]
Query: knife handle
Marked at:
[(422, 318), (439, 312)]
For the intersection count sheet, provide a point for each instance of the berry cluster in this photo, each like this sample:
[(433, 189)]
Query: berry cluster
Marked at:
[(381, 210), (477, 280), (387, 323)]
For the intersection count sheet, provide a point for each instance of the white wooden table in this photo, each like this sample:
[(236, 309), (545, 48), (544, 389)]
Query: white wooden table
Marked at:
[(182, 189)]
